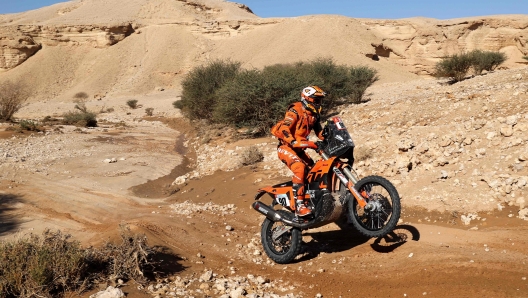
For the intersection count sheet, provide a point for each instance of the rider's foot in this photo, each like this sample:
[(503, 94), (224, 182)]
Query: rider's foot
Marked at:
[(302, 210)]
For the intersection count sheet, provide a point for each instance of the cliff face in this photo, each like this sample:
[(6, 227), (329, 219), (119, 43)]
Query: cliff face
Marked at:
[(418, 44), (136, 46), (18, 43)]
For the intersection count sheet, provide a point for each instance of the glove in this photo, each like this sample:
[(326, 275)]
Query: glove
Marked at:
[(304, 144)]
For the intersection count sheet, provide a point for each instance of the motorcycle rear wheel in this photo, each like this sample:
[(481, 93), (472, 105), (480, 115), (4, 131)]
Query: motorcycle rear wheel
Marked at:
[(286, 247), (384, 218)]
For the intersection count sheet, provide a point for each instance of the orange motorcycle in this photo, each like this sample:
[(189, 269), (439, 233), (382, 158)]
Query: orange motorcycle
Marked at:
[(371, 205)]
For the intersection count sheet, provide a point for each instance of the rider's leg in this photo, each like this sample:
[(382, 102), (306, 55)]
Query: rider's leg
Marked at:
[(298, 170)]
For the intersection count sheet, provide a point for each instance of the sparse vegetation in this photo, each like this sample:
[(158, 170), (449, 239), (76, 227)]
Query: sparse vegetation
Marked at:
[(77, 118), (486, 60), (12, 98), (132, 103), (457, 67), (149, 111), (223, 93), (50, 264), (29, 125), (81, 96), (251, 156), (201, 84)]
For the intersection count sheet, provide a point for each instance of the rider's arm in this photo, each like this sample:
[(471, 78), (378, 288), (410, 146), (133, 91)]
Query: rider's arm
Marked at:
[(318, 129), (290, 120)]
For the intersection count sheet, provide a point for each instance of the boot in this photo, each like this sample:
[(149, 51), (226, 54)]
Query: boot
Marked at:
[(301, 208)]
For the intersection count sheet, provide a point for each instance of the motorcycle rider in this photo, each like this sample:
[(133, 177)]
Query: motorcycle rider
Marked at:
[(301, 117)]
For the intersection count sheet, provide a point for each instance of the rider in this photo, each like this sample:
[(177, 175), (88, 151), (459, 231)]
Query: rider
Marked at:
[(301, 117)]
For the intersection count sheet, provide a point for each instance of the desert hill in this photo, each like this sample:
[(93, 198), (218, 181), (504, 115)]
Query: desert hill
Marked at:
[(138, 47)]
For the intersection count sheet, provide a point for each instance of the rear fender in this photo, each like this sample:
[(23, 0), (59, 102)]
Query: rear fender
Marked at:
[(280, 193)]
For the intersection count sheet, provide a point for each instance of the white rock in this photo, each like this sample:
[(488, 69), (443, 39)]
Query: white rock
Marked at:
[(110, 292)]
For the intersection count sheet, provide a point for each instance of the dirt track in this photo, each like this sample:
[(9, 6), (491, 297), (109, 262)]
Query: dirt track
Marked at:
[(59, 180)]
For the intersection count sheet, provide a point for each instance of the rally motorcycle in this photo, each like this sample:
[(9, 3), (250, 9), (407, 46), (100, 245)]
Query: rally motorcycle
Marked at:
[(371, 205)]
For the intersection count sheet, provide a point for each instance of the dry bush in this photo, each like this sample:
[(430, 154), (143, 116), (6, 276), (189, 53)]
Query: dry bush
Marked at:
[(30, 125), (149, 111), (41, 266), (251, 156), (12, 98), (78, 118), (126, 260), (132, 103)]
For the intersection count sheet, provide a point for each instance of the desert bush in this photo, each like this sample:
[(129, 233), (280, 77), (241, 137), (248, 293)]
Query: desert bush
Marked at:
[(455, 67), (129, 259), (29, 125), (486, 60), (258, 98), (177, 104), (525, 57), (251, 156), (200, 85), (132, 103), (81, 96), (78, 118), (51, 264), (41, 266), (149, 111), (12, 98)]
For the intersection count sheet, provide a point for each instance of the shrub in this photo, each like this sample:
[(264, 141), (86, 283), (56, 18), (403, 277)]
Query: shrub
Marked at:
[(251, 156), (81, 96), (177, 104), (12, 98), (29, 125), (149, 111), (258, 98), (455, 67), (51, 264), (78, 118), (129, 259), (132, 103), (486, 60), (200, 85), (37, 266)]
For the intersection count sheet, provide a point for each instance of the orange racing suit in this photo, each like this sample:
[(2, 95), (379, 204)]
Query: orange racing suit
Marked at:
[(296, 126)]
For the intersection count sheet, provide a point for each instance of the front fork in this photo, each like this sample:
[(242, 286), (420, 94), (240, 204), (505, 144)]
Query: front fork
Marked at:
[(349, 183)]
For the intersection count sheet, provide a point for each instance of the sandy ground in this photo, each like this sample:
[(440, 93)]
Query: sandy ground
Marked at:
[(60, 181)]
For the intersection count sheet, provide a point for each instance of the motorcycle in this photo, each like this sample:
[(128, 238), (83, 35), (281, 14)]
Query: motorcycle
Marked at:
[(371, 204)]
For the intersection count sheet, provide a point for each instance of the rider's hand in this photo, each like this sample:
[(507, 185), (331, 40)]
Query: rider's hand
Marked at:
[(304, 144)]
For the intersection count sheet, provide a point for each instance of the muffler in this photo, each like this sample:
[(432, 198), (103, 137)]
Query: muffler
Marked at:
[(272, 215)]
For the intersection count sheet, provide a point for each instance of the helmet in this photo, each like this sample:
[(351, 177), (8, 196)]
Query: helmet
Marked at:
[(311, 98)]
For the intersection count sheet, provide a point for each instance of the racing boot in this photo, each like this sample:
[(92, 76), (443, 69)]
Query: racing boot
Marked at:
[(301, 208)]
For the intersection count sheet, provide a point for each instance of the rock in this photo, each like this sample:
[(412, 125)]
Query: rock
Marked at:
[(207, 275), (506, 131), (110, 292), (238, 292), (511, 120)]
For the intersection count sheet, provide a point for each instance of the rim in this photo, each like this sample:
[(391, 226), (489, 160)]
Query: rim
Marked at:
[(377, 218), (283, 243)]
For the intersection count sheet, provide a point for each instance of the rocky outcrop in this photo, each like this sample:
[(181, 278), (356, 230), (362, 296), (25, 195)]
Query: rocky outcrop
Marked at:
[(15, 49), (19, 43), (419, 43)]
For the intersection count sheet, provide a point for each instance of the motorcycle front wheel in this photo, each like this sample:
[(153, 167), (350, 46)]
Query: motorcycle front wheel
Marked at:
[(281, 243), (384, 198)]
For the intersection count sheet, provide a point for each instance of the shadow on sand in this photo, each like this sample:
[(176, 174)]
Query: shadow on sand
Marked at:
[(8, 223), (345, 239)]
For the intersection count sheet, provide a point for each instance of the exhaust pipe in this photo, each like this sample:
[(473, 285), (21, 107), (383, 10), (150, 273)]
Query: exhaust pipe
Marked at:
[(272, 215), (267, 211)]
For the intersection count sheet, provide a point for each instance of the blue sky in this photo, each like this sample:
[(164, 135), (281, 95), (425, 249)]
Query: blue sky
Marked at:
[(379, 9)]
